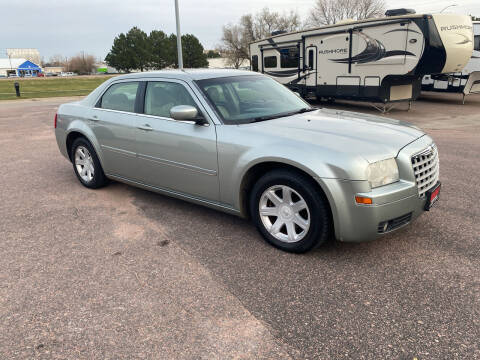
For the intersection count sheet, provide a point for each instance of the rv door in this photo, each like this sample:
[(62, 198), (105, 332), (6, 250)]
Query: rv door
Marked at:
[(310, 66)]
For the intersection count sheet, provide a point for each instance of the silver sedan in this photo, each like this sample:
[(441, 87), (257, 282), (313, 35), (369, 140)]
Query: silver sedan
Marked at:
[(240, 142)]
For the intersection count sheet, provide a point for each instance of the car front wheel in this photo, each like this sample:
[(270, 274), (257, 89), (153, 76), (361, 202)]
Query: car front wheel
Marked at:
[(289, 211), (86, 164)]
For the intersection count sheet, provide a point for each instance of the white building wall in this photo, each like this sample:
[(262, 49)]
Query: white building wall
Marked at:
[(221, 63), (32, 55)]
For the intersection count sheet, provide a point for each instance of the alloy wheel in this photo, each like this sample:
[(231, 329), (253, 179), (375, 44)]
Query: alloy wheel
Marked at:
[(84, 164), (284, 213)]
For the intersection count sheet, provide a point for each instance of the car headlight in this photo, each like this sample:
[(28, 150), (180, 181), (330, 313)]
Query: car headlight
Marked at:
[(382, 172)]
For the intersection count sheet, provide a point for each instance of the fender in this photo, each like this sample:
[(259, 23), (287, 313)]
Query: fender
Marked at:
[(308, 162)]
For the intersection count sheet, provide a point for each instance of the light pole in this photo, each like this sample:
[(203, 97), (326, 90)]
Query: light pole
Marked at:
[(445, 8), (179, 37)]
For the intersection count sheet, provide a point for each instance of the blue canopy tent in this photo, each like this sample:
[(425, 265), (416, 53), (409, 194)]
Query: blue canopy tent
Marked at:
[(28, 69)]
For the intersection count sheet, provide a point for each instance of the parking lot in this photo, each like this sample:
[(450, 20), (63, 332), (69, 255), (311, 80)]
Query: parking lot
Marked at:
[(122, 273)]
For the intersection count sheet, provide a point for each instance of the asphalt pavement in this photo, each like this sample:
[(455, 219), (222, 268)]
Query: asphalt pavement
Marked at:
[(123, 273)]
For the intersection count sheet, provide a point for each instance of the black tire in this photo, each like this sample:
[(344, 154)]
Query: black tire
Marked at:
[(99, 179), (321, 223)]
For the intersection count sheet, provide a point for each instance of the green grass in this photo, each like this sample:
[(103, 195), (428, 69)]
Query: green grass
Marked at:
[(50, 87)]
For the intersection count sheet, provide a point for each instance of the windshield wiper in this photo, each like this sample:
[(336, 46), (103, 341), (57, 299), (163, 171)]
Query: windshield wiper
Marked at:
[(302, 110), (276, 116)]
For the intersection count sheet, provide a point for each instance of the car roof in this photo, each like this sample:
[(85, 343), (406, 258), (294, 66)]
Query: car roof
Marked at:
[(188, 74)]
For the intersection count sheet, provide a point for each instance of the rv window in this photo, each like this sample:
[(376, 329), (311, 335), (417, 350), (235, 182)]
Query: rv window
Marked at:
[(310, 59), (270, 62), (476, 40), (255, 63), (289, 57)]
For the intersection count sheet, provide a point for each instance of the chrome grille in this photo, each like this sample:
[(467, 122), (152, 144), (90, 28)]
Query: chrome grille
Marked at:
[(426, 168)]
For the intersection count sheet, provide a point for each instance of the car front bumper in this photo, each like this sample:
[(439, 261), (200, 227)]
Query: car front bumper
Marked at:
[(393, 206)]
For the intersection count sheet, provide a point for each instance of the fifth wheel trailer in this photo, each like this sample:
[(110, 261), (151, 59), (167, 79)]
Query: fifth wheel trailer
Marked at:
[(376, 60), (455, 82)]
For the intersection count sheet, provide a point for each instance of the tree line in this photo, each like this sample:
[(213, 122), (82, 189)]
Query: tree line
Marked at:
[(82, 63), (136, 50)]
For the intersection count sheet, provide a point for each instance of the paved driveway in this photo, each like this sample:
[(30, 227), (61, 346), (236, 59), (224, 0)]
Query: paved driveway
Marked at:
[(125, 273)]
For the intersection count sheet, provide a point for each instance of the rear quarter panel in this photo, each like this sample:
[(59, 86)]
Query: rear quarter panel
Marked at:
[(73, 117)]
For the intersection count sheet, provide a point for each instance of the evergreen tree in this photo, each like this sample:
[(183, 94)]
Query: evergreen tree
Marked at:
[(121, 56), (161, 50), (138, 51), (212, 54), (138, 42), (193, 56)]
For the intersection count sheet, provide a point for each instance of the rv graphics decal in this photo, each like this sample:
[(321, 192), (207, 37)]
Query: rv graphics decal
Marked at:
[(334, 51), (373, 51), (465, 40), (402, 30), (283, 73), (455, 27)]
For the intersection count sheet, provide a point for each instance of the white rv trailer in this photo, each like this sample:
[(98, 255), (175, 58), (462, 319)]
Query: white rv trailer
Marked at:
[(377, 60), (455, 82)]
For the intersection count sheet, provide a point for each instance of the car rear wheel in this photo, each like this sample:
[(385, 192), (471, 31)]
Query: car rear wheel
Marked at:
[(289, 211), (86, 164)]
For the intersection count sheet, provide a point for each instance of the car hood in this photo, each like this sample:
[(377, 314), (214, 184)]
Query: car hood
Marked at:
[(372, 137)]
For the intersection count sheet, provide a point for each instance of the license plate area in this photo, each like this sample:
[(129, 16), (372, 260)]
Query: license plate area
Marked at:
[(432, 196)]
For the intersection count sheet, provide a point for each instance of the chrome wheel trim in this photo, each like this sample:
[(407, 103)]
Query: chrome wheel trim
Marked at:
[(84, 164), (284, 213)]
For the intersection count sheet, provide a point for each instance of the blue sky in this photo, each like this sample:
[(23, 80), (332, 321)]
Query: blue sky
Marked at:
[(68, 27)]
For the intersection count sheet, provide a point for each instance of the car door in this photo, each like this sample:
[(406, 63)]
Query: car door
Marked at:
[(180, 156), (113, 123)]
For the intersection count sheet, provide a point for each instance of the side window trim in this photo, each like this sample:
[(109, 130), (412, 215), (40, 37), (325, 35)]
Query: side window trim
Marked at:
[(140, 99)]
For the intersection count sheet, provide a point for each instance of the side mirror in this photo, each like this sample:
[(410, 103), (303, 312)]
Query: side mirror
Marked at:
[(186, 113)]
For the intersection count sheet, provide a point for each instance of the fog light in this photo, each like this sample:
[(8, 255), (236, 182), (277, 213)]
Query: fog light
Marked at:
[(363, 200)]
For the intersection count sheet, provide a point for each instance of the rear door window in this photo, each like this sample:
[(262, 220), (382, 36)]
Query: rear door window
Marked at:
[(121, 97)]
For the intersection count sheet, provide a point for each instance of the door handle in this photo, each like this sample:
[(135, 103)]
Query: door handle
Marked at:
[(145, 127), (94, 118)]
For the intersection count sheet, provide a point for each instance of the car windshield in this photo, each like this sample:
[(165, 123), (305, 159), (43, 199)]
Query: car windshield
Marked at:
[(251, 98)]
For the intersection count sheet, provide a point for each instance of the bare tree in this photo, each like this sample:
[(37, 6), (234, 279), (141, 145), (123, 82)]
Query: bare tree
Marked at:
[(328, 12), (57, 60), (82, 64), (234, 45), (237, 37)]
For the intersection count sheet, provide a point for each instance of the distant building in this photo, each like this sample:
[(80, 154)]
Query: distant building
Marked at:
[(103, 68), (19, 67), (32, 55), (53, 69)]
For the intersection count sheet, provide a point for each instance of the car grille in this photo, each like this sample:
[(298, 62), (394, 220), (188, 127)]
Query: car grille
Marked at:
[(426, 168)]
